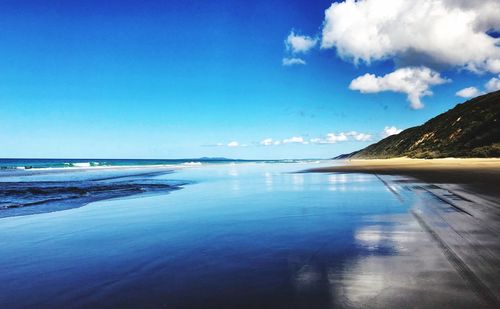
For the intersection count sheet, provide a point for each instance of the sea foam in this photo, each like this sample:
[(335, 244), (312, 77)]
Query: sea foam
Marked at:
[(192, 163)]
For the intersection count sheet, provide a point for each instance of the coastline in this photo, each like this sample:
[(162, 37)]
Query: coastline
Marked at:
[(27, 168), (475, 176), (72, 169), (29, 192)]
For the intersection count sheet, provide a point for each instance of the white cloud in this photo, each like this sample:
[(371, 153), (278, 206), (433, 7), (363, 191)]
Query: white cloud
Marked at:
[(332, 138), (468, 92), (493, 84), (294, 140), (299, 43), (267, 142), (361, 137), (424, 32), (214, 145), (414, 81), (292, 61), (388, 131)]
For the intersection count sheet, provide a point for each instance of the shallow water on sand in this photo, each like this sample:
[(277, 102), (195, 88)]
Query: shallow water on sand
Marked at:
[(49, 191), (238, 236)]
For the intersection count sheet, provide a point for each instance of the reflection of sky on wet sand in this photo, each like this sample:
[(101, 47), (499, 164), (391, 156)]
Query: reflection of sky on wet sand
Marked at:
[(396, 266), (298, 181), (269, 181), (376, 237)]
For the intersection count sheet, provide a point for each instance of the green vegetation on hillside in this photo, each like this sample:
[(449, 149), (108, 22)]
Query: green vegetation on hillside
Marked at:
[(470, 129)]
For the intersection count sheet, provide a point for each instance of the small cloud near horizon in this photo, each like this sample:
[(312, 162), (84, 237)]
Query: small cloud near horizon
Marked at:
[(327, 139), (388, 131), (294, 140), (332, 138), (491, 85), (468, 92)]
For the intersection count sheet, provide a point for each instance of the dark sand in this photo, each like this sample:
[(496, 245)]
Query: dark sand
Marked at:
[(481, 176)]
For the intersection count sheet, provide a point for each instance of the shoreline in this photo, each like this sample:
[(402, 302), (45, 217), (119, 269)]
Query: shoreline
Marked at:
[(478, 176), (57, 170), (9, 172)]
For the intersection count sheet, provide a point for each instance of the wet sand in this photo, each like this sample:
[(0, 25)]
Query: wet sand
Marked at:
[(477, 176), (458, 209)]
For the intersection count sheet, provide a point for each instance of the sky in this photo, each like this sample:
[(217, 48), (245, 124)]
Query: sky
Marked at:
[(240, 79)]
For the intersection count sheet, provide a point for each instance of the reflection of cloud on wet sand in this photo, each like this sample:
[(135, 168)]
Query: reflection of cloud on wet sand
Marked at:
[(298, 182), (377, 237), (396, 265), (268, 180), (345, 182), (401, 266)]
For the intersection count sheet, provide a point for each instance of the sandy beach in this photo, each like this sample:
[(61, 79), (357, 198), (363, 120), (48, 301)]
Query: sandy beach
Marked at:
[(476, 175)]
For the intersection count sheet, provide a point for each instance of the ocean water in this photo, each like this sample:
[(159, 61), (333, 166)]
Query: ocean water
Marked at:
[(29, 186), (48, 190), (246, 235), (26, 164)]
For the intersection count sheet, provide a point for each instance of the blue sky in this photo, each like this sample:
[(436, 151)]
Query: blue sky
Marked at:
[(174, 79)]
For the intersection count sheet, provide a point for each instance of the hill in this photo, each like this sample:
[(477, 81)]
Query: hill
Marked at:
[(470, 129)]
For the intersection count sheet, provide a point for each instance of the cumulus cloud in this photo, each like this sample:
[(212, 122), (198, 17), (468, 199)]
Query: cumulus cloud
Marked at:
[(493, 84), (453, 33), (270, 142), (299, 43), (414, 81), (292, 61), (468, 92), (332, 138), (267, 142), (230, 144), (294, 140), (361, 137), (388, 131)]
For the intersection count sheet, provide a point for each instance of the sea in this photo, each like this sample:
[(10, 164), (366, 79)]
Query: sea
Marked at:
[(26, 164)]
